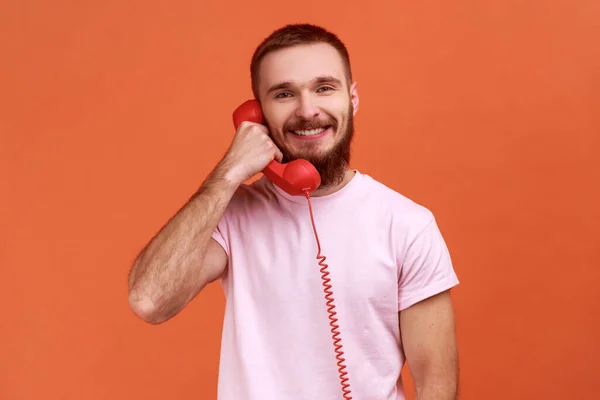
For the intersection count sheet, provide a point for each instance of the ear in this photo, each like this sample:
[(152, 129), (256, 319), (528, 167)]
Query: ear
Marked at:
[(354, 97)]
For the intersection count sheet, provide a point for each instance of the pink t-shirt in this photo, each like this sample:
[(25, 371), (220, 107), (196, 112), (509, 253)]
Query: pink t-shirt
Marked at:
[(385, 253)]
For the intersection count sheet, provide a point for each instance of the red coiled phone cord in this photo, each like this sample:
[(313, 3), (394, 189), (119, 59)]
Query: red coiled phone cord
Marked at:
[(330, 308)]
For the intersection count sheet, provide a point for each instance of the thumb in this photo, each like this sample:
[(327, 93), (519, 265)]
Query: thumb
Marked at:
[(278, 155)]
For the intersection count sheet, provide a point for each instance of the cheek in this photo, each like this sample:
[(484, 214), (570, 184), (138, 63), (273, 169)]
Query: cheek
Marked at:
[(274, 122), (277, 120), (276, 128), (343, 118)]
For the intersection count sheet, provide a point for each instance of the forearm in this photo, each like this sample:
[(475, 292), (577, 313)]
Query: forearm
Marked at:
[(437, 381), (167, 272), (437, 391)]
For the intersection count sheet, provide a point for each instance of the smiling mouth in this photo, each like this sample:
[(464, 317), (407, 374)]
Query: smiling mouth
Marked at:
[(310, 132)]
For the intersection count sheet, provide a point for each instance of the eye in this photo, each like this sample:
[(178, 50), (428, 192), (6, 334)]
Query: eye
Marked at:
[(324, 88), (282, 95)]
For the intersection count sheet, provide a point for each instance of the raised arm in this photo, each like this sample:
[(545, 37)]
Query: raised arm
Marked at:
[(183, 258)]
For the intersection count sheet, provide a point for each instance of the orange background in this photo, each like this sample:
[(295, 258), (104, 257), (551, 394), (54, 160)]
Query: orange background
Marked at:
[(112, 113)]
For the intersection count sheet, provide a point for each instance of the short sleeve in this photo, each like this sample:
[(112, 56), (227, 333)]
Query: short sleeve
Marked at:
[(426, 268), (220, 237)]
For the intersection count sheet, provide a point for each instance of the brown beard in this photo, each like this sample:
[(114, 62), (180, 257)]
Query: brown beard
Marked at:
[(333, 165)]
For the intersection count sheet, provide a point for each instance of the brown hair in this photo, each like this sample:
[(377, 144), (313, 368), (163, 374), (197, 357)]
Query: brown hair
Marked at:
[(294, 35)]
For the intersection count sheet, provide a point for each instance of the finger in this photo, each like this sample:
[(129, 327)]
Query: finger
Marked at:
[(263, 128), (257, 129), (243, 126)]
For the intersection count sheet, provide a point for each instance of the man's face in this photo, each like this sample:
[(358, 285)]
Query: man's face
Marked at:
[(309, 107)]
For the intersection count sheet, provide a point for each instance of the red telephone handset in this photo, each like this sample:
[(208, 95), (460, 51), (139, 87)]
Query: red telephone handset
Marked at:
[(297, 177)]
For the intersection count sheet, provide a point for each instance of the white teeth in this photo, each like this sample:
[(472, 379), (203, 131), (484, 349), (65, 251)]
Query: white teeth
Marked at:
[(309, 132)]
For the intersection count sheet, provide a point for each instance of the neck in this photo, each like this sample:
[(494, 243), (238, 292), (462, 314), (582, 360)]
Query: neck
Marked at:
[(327, 190)]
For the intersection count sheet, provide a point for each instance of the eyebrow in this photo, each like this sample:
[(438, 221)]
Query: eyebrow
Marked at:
[(318, 80)]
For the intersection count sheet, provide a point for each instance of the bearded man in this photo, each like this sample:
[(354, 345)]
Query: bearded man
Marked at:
[(389, 268)]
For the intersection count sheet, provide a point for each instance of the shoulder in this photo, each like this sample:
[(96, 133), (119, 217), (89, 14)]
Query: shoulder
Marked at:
[(256, 191), (404, 212), (250, 196)]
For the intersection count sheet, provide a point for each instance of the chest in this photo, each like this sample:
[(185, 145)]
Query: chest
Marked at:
[(277, 259)]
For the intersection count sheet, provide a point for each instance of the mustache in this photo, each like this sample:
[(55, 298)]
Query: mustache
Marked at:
[(307, 124)]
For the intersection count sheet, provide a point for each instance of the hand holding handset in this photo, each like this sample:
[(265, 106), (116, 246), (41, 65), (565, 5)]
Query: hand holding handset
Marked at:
[(299, 177)]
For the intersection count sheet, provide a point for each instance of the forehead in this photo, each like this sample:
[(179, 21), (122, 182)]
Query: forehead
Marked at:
[(300, 64)]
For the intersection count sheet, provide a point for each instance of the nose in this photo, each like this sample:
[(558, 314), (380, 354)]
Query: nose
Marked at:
[(307, 109)]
